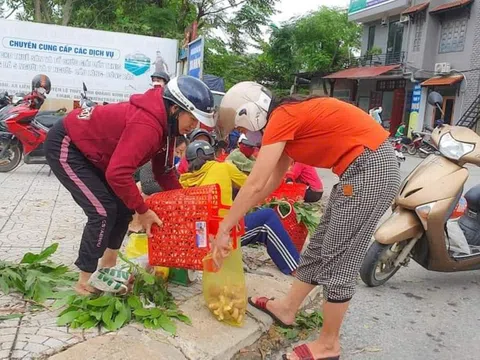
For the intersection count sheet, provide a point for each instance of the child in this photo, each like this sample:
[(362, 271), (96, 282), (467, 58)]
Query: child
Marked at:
[(262, 226), (306, 174)]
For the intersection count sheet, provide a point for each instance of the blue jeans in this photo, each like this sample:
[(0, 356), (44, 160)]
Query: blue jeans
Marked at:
[(264, 227)]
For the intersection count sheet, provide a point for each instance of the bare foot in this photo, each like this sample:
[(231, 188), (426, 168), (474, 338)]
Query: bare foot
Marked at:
[(320, 350), (281, 310), (85, 289)]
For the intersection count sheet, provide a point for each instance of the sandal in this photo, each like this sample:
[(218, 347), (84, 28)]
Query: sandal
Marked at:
[(303, 352), (261, 304)]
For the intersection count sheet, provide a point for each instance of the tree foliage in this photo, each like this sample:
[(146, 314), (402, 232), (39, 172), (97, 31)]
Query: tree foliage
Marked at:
[(239, 19), (322, 41)]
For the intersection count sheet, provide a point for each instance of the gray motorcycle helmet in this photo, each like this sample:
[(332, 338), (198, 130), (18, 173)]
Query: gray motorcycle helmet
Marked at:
[(199, 147), (201, 132)]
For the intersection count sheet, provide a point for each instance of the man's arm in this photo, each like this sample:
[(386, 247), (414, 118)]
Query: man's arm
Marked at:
[(166, 180), (125, 160)]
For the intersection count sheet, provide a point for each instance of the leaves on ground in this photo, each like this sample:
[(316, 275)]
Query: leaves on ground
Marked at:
[(38, 279)]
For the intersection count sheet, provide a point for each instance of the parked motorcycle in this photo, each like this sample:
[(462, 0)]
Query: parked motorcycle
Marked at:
[(417, 140), (23, 131), (419, 226)]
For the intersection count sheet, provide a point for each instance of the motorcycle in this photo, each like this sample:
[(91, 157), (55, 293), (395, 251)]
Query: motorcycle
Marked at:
[(23, 131), (415, 144), (420, 227)]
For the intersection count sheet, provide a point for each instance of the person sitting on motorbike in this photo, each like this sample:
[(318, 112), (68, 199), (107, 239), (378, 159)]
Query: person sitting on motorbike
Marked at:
[(242, 157), (401, 131), (96, 162), (160, 79), (261, 226), (41, 86), (197, 134)]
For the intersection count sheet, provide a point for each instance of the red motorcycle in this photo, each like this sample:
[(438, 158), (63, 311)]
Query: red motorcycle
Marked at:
[(23, 130)]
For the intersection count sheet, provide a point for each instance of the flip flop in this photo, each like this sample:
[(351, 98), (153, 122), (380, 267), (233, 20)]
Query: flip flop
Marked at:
[(303, 352), (261, 304)]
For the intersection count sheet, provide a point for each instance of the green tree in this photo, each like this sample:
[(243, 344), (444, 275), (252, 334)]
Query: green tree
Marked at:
[(322, 41), (169, 18)]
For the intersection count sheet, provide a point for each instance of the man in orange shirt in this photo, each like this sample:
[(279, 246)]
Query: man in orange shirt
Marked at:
[(324, 133)]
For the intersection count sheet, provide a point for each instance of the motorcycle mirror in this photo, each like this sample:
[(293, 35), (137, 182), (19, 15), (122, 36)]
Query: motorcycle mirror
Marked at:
[(84, 87), (435, 99)]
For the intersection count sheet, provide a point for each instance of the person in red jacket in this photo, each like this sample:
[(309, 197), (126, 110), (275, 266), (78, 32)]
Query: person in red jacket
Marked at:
[(94, 153), (306, 174)]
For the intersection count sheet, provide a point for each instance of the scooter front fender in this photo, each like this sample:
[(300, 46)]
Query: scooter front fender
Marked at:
[(402, 225)]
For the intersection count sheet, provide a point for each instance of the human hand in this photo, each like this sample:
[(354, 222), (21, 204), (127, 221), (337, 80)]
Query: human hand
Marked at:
[(221, 247), (147, 220)]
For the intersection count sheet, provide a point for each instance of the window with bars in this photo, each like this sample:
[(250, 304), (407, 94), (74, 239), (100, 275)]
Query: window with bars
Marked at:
[(453, 34), (419, 25)]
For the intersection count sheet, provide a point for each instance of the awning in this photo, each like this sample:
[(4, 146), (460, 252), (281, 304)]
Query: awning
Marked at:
[(362, 72), (450, 6), (416, 8), (443, 80)]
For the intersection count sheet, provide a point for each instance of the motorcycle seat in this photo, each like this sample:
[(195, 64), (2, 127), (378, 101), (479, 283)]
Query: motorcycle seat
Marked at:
[(473, 198), (48, 120)]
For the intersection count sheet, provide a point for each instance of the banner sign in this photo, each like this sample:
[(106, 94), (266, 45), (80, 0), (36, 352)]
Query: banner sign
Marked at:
[(195, 58), (360, 5), (112, 65)]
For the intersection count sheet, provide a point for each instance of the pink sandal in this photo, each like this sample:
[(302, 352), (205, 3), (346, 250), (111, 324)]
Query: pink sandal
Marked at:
[(261, 304), (303, 352)]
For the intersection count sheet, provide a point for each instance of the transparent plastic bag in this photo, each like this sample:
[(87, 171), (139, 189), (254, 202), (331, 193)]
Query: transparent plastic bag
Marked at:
[(137, 251), (225, 290)]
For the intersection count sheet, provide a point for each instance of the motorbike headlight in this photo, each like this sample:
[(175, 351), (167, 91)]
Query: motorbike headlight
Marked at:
[(454, 149), (423, 211)]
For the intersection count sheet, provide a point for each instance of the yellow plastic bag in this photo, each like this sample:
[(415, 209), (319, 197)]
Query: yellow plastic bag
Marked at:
[(225, 291), (137, 247)]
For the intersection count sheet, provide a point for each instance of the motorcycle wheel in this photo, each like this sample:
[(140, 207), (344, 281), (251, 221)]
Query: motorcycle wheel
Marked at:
[(12, 158), (422, 154), (412, 150), (378, 265)]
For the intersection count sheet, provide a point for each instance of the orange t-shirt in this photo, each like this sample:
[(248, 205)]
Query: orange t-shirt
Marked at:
[(324, 132)]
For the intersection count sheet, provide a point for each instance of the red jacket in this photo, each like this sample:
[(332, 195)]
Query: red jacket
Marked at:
[(305, 174), (120, 138)]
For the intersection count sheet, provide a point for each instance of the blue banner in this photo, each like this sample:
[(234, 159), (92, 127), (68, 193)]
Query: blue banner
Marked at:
[(415, 108), (195, 58)]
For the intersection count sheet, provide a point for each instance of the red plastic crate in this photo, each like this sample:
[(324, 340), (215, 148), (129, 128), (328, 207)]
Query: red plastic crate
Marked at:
[(175, 244), (298, 231), (291, 191)]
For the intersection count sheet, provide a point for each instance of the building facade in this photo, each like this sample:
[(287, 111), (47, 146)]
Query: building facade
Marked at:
[(409, 48)]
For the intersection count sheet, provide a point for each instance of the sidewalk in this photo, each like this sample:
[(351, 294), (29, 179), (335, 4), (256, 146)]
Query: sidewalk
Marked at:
[(35, 211)]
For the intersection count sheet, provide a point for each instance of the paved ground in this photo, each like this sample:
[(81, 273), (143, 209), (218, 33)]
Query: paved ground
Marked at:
[(417, 315)]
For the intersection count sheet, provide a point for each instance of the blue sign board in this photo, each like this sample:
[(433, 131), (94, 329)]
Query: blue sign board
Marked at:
[(195, 58), (414, 109)]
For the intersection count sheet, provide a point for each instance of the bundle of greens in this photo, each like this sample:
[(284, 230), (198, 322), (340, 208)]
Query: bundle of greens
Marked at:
[(35, 277), (149, 303)]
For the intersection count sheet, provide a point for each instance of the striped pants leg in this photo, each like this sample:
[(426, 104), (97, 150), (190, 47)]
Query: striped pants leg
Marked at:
[(108, 216), (264, 227), (357, 203)]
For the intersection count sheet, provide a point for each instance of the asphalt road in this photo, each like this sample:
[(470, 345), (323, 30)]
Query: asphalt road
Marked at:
[(418, 314)]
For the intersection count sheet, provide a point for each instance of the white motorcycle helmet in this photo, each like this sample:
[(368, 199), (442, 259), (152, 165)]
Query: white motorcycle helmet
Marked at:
[(245, 105)]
